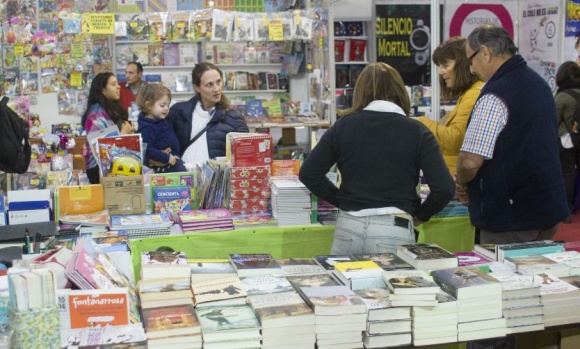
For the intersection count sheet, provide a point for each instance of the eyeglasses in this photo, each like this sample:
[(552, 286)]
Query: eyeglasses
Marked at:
[(470, 58)]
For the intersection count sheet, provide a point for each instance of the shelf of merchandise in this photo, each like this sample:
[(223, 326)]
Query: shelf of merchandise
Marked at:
[(252, 91)]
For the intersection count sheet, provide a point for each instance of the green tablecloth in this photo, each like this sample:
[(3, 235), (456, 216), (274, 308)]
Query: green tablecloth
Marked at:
[(455, 234), (280, 242)]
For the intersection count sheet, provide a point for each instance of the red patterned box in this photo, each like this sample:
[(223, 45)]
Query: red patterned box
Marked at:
[(251, 205), (259, 193), (248, 184), (247, 172), (254, 149)]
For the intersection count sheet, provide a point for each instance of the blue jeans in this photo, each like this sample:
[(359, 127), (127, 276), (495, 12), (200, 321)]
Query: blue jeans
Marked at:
[(372, 234)]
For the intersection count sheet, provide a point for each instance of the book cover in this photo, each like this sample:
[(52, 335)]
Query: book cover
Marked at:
[(300, 266), (254, 263), (410, 282), (187, 54), (342, 76), (159, 26), (357, 50), (216, 321), (159, 264), (387, 261), (171, 55), (472, 258), (170, 321), (210, 266), (238, 53), (427, 256), (171, 200), (265, 284), (357, 269), (281, 309), (466, 282), (94, 308), (140, 54), (339, 51), (156, 55), (181, 26), (535, 264), (515, 285), (223, 53), (328, 261), (224, 288), (164, 285), (333, 300), (314, 280)]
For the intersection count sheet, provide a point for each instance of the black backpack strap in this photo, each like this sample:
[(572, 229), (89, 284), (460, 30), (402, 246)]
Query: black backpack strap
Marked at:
[(199, 134)]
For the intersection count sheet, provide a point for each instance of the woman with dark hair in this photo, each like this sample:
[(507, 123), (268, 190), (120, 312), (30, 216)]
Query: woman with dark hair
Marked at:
[(201, 124), (455, 81), (379, 152), (568, 80), (103, 110)]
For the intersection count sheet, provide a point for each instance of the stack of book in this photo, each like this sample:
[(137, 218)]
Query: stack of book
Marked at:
[(386, 325), (160, 292), (254, 264), (559, 298), (142, 225), (537, 264), (164, 264), (479, 302), (216, 219), (175, 326), (436, 325), (340, 314), (411, 288), (283, 314), (300, 266), (521, 304), (229, 326), (527, 248), (291, 202), (90, 269), (203, 269), (568, 258), (287, 321), (427, 256), (359, 274)]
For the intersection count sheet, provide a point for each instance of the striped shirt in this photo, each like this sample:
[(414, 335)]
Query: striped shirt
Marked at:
[(488, 119)]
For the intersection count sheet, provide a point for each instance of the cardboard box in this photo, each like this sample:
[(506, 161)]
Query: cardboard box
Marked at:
[(249, 149), (249, 184), (124, 195), (250, 172), (264, 193), (28, 216)]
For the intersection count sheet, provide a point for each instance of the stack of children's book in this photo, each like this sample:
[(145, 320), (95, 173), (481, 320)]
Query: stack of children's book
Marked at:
[(291, 202), (142, 225), (205, 220)]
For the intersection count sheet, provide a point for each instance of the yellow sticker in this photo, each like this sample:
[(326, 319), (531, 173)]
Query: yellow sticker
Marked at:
[(18, 49), (275, 31), (76, 79)]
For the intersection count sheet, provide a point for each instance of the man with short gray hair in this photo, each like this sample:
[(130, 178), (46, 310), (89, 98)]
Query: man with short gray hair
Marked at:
[(508, 168)]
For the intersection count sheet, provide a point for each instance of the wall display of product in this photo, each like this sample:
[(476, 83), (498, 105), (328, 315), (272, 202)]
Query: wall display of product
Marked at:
[(259, 54), (350, 58)]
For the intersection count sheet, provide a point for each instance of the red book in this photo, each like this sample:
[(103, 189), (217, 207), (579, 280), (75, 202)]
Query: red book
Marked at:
[(357, 50)]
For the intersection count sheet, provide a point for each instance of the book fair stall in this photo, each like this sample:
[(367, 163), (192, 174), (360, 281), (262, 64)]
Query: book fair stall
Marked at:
[(234, 252)]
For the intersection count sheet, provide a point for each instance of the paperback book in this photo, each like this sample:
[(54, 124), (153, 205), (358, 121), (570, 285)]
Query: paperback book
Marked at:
[(281, 310), (427, 256)]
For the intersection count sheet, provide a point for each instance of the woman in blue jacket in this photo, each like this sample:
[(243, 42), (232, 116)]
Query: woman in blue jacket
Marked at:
[(201, 124)]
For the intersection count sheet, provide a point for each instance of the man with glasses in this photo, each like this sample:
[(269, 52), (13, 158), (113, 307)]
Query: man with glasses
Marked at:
[(508, 168)]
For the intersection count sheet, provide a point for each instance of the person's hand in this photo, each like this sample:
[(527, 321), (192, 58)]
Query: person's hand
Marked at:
[(127, 127), (416, 222), (461, 193), (173, 159), (157, 163)]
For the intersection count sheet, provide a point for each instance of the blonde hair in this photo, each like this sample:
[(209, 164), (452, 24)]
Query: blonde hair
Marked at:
[(378, 81), (149, 94)]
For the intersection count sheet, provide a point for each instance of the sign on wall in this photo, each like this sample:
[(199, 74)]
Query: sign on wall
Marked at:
[(461, 18), (539, 37), (403, 34), (572, 31)]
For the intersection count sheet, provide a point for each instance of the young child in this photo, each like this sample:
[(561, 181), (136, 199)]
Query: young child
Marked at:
[(161, 142)]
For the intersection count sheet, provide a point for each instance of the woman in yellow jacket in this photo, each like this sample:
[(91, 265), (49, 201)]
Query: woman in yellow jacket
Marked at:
[(455, 81)]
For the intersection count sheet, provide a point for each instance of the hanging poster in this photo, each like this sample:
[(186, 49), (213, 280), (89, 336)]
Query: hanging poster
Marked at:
[(539, 37), (404, 41), (461, 17), (572, 31)]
